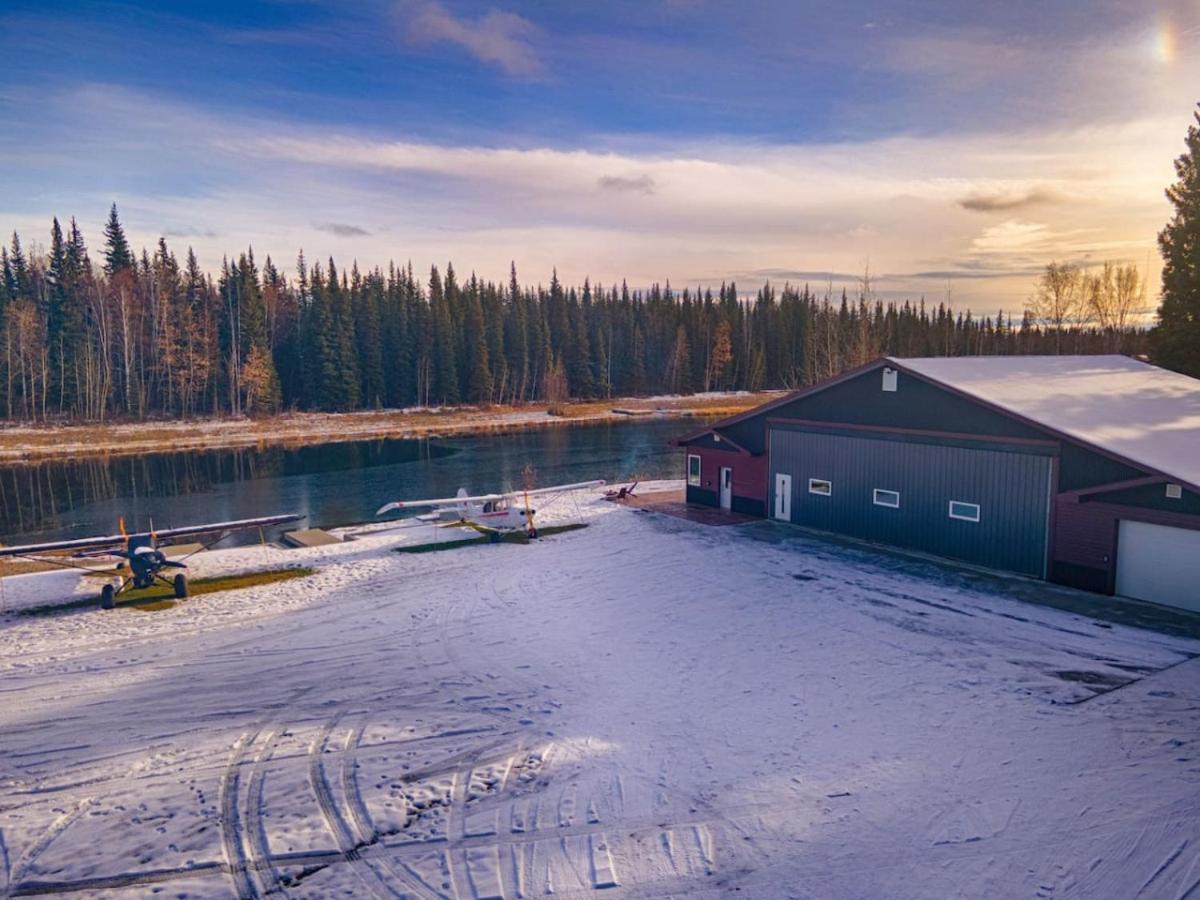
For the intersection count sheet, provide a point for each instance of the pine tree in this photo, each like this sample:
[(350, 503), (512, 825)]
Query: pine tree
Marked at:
[(342, 389), (479, 380), (367, 297), (117, 255), (516, 338), (8, 280), (57, 306), (1176, 339), (22, 288), (445, 347)]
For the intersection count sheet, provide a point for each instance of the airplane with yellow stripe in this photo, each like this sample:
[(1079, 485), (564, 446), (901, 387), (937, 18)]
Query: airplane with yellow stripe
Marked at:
[(491, 514), (140, 557)]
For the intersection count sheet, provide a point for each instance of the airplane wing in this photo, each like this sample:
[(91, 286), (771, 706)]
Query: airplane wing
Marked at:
[(235, 525), (116, 541), (563, 488), (443, 501), (97, 543)]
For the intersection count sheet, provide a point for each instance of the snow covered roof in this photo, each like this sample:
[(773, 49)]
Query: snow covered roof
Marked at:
[(1138, 411)]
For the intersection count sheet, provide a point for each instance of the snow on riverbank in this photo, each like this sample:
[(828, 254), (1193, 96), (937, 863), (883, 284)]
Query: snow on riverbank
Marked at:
[(25, 443), (644, 707)]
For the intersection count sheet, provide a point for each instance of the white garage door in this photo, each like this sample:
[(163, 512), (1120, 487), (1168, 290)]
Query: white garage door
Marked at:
[(1159, 564)]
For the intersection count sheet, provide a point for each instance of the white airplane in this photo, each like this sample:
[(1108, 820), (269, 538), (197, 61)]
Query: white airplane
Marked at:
[(491, 514)]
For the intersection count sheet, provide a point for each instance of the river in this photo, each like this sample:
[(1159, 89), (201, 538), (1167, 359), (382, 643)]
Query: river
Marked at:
[(332, 484)]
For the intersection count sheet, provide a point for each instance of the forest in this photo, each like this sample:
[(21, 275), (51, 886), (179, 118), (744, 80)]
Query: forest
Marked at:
[(142, 335)]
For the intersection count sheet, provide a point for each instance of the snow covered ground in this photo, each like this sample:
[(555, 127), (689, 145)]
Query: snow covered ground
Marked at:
[(646, 707)]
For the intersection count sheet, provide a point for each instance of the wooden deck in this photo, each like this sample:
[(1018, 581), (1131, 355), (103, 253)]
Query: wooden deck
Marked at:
[(673, 503)]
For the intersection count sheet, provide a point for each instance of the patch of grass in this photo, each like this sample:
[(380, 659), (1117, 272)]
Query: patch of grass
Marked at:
[(513, 538), (159, 596)]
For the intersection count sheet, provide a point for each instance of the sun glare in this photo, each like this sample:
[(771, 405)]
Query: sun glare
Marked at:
[(1164, 42)]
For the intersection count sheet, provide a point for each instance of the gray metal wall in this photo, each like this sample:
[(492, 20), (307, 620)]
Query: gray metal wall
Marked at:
[(1011, 488)]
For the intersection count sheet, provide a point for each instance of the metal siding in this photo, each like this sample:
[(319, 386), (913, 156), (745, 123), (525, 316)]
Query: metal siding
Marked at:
[(1012, 490), (861, 400)]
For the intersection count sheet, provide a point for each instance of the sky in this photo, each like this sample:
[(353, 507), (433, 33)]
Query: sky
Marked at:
[(947, 150)]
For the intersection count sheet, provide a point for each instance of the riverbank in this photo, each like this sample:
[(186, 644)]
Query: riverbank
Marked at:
[(31, 443)]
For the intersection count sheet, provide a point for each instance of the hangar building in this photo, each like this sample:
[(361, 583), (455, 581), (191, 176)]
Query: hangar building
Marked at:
[(1083, 470)]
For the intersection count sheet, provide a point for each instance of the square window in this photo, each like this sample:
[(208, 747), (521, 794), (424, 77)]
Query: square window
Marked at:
[(1174, 491), (820, 486), (966, 512), (693, 470), (886, 498)]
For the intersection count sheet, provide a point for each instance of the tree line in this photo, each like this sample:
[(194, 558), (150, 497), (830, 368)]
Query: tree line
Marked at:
[(144, 335)]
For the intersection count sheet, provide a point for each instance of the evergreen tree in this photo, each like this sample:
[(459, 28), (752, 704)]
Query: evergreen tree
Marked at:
[(143, 336), (56, 313), (445, 347), (368, 296), (22, 288), (479, 381), (8, 280), (1176, 339), (342, 389), (117, 255), (516, 339)]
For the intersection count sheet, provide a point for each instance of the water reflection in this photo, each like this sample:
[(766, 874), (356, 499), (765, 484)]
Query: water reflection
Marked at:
[(332, 484)]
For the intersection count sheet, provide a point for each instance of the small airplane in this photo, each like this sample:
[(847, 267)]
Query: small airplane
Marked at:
[(141, 559), (494, 515)]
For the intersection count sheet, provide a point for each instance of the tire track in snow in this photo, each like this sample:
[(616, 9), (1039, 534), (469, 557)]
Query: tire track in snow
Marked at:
[(232, 830), (334, 820), (337, 820), (56, 828), (258, 849)]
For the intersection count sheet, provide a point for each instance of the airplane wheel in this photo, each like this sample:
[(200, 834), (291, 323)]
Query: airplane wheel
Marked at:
[(181, 587), (108, 597)]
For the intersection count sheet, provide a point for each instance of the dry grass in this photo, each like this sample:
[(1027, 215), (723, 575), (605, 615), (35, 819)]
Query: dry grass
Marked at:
[(674, 406), (31, 443), (514, 537), (159, 596)]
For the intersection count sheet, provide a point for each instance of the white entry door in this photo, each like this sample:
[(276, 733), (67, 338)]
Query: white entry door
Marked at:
[(726, 487), (783, 497), (1159, 564)]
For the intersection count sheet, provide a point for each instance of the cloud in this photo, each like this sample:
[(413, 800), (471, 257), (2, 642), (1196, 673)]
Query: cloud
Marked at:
[(1012, 236), (340, 229), (695, 212), (1005, 201), (187, 232), (620, 184), (498, 38)]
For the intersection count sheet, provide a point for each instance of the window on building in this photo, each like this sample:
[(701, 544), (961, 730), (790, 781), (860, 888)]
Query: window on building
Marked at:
[(886, 498), (1174, 491), (693, 470), (820, 486), (967, 512)]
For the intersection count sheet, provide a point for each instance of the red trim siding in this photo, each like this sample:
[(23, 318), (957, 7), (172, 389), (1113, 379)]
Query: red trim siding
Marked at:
[(1085, 534), (1116, 486), (749, 472), (915, 432)]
